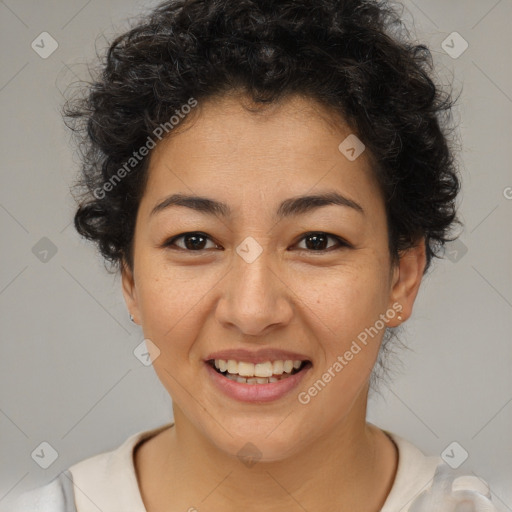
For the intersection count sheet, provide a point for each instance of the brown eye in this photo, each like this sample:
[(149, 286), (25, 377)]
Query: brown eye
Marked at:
[(194, 241), (318, 241)]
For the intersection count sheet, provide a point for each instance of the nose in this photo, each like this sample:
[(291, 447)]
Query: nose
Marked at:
[(255, 299)]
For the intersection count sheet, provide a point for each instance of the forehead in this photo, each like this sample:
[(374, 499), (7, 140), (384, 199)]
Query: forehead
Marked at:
[(288, 148)]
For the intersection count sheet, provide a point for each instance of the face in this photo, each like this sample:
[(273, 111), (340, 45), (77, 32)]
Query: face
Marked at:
[(265, 277)]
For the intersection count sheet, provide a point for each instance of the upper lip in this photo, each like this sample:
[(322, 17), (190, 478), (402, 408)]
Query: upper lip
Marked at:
[(259, 356)]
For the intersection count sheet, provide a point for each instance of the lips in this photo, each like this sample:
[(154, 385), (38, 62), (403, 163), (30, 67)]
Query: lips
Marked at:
[(256, 389)]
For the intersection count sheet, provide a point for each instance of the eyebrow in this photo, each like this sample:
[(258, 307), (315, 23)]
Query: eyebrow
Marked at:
[(289, 207)]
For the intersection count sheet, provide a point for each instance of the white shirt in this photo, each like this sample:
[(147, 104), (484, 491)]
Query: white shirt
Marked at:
[(108, 482)]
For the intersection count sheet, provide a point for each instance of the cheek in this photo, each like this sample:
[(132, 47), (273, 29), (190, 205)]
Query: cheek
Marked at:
[(171, 300), (171, 311), (346, 298), (345, 319)]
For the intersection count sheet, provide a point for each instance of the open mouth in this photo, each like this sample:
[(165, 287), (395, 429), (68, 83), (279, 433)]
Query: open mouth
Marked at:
[(260, 373)]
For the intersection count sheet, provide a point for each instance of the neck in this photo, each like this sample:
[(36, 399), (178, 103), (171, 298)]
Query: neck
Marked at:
[(352, 466)]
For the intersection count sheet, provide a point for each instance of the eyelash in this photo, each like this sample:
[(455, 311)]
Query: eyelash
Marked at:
[(170, 244)]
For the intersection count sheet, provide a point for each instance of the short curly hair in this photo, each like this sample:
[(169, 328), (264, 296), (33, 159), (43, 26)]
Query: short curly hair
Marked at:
[(349, 55)]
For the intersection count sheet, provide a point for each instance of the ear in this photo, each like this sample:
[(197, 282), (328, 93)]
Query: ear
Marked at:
[(407, 277), (130, 291)]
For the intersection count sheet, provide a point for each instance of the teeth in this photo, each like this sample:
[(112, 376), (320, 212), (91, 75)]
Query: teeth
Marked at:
[(247, 370), (263, 369), (255, 380), (267, 370), (232, 366), (278, 367)]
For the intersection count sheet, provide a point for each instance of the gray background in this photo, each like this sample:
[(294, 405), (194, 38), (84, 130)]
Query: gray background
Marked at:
[(68, 375)]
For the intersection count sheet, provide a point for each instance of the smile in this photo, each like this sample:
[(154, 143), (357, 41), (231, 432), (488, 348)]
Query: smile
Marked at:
[(257, 373)]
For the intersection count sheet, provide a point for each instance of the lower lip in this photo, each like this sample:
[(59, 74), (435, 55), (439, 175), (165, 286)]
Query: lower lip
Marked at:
[(256, 392)]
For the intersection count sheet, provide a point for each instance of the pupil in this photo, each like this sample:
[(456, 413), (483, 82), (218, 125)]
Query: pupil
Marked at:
[(194, 244), (316, 244)]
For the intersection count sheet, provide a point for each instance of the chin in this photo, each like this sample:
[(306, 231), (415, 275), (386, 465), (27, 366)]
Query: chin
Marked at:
[(251, 445)]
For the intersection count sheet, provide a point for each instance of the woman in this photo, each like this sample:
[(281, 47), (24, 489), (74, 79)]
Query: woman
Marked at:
[(272, 179)]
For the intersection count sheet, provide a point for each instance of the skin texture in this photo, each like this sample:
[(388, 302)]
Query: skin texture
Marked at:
[(323, 454)]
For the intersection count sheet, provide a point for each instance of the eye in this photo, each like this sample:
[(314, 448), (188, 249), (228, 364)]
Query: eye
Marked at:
[(196, 241), (316, 241), (193, 241)]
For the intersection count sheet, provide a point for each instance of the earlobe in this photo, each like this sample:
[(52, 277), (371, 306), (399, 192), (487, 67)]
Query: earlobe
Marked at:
[(407, 279), (129, 292)]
